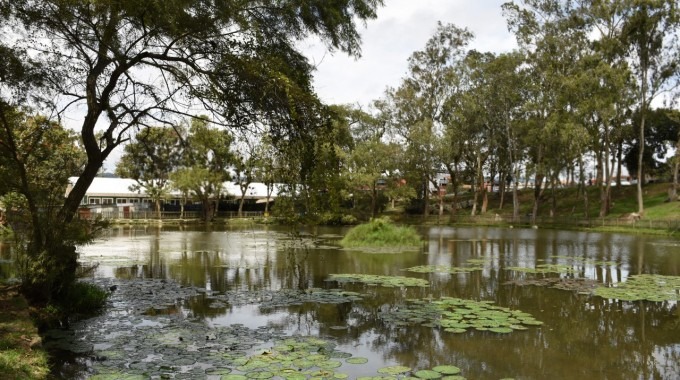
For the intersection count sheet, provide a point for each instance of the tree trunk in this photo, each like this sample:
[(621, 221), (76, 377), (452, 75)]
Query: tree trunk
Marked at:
[(374, 195), (673, 193)]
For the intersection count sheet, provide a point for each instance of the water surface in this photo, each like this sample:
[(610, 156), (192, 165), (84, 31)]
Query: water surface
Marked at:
[(583, 336)]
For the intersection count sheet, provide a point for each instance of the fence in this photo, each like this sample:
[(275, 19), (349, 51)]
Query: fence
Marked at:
[(149, 214)]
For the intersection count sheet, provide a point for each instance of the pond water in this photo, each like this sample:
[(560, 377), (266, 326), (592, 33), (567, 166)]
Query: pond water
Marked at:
[(248, 278)]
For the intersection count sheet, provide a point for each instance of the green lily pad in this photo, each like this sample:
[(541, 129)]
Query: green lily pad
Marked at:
[(385, 281), (394, 370), (443, 269), (501, 330), (329, 364), (456, 315), (233, 376), (427, 374), (447, 369), (650, 287), (356, 360), (260, 375)]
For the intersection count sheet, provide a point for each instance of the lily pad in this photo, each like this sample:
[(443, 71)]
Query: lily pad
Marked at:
[(260, 375), (650, 287), (443, 269), (394, 370), (386, 281), (356, 360), (447, 369), (427, 374), (456, 315)]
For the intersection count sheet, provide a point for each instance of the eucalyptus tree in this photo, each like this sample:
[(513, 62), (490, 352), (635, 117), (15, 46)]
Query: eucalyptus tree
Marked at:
[(149, 160), (551, 45), (504, 94), (128, 64), (650, 33), (420, 102)]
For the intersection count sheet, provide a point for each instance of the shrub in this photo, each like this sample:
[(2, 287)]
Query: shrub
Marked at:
[(381, 233)]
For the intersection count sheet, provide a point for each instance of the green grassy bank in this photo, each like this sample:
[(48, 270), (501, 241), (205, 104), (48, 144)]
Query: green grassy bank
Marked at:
[(21, 356)]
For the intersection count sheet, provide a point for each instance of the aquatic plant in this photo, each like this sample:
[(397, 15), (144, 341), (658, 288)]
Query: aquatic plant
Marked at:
[(649, 287), (385, 281), (381, 232), (457, 315), (444, 269)]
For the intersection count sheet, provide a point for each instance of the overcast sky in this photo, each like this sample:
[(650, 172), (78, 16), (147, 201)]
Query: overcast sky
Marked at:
[(402, 27)]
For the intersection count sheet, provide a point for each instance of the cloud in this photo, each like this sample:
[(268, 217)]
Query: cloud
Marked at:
[(402, 27)]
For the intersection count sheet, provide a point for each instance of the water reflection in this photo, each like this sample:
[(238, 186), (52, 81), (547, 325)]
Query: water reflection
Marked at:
[(583, 336)]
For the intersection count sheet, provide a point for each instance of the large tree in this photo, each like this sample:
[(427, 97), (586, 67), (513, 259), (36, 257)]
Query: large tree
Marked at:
[(127, 64), (149, 160), (419, 104), (650, 32)]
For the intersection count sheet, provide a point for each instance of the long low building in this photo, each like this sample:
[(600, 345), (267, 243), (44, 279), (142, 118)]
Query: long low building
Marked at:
[(109, 193)]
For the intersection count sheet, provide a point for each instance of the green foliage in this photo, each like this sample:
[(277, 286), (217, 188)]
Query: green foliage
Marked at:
[(83, 299), (330, 219), (381, 232)]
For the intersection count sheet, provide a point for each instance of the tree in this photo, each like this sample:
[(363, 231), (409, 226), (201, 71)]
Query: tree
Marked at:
[(551, 41), (651, 35), (37, 157), (419, 103), (204, 164), (129, 65), (245, 164), (150, 159), (370, 162)]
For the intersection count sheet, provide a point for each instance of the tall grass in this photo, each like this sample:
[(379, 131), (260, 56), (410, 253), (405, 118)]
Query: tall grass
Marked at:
[(381, 233)]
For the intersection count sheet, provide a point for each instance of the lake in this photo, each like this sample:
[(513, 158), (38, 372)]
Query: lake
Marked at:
[(582, 336)]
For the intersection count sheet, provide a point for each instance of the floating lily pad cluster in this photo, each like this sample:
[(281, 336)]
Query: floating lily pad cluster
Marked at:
[(580, 285), (458, 315), (448, 372), (290, 297), (385, 281), (587, 261), (650, 287), (444, 269), (545, 268), (291, 358)]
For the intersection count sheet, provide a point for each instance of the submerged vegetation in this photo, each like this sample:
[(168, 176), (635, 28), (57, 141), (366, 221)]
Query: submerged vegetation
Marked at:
[(381, 232)]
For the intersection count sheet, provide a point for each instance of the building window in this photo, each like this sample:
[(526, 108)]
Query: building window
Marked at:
[(107, 201), (134, 200), (121, 200), (95, 201)]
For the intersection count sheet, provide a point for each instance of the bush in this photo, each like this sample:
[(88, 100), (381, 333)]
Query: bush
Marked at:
[(83, 298), (381, 233)]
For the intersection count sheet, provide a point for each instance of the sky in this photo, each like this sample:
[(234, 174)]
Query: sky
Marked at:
[(402, 27)]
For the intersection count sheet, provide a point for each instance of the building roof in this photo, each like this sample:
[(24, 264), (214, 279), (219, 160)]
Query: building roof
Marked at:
[(120, 187)]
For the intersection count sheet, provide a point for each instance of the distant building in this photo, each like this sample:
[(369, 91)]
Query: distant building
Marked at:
[(114, 195)]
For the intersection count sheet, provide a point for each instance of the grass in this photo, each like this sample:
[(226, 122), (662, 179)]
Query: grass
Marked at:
[(20, 354), (381, 233)]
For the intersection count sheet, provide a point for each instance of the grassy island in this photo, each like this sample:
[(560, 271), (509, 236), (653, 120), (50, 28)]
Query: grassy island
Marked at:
[(380, 233)]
